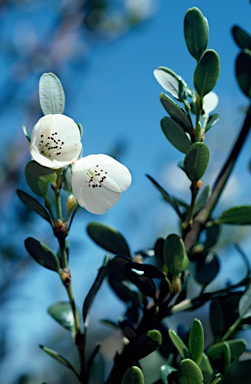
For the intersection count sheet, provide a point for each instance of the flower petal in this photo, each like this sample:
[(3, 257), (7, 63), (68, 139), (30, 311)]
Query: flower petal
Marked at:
[(97, 182), (55, 141)]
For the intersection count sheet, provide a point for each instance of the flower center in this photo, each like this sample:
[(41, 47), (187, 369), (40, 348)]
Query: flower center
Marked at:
[(50, 146), (95, 177)]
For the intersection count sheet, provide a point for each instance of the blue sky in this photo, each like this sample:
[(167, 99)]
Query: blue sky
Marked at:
[(116, 98)]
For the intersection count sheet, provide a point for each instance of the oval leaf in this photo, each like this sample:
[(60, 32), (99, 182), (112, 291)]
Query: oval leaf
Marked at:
[(62, 313), (196, 341), (181, 347), (51, 94), (206, 72), (176, 113), (42, 254), (38, 178), (237, 215), (243, 72), (245, 304), (133, 375), (171, 82), (196, 32), (175, 134), (241, 37), (196, 161), (108, 238), (206, 271), (33, 204), (175, 256), (190, 373)]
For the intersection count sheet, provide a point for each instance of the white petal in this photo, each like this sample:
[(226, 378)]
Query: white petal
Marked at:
[(55, 141), (97, 182), (210, 102)]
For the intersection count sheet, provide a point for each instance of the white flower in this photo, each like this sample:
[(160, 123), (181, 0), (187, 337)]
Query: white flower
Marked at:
[(97, 182), (210, 102), (55, 141)]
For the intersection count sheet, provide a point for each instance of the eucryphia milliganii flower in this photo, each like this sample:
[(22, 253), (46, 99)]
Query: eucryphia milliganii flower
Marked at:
[(55, 141), (210, 102), (98, 181)]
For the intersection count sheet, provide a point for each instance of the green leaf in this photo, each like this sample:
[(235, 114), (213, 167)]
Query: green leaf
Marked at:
[(165, 371), (206, 271), (59, 358), (172, 83), (213, 119), (196, 32), (26, 133), (39, 177), (181, 347), (196, 161), (33, 204), (175, 256), (206, 72), (196, 341), (243, 72), (245, 304), (133, 375), (237, 347), (206, 368), (203, 198), (217, 379), (166, 196), (108, 238), (51, 94), (175, 134), (189, 372), (176, 113), (42, 254), (240, 215), (102, 273), (241, 37), (62, 313), (238, 373)]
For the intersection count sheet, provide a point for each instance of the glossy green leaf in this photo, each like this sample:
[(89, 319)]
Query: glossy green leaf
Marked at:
[(206, 368), (196, 32), (243, 72), (166, 196), (241, 37), (172, 83), (189, 372), (146, 270), (39, 177), (196, 161), (176, 113), (196, 341), (42, 254), (237, 215), (206, 72), (175, 134), (33, 204), (175, 256), (59, 358), (102, 273), (62, 313), (133, 375), (51, 94), (179, 344), (165, 371), (213, 119), (108, 238), (245, 304), (237, 347)]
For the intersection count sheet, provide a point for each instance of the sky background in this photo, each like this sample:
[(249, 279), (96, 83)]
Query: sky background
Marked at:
[(115, 96)]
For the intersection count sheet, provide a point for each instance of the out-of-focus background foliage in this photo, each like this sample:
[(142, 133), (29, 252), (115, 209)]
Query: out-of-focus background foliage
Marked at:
[(104, 52)]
